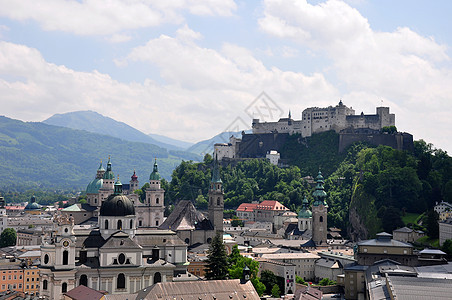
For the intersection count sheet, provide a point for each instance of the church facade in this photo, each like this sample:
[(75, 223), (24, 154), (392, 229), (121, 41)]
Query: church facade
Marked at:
[(118, 255)]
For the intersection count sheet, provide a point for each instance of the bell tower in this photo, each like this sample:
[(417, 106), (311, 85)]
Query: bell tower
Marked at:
[(154, 199), (216, 199), (319, 213)]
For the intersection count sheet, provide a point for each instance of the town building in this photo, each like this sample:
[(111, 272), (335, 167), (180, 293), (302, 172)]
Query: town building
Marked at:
[(445, 231), (304, 262), (3, 215), (116, 257), (384, 247), (281, 269), (273, 156), (407, 235)]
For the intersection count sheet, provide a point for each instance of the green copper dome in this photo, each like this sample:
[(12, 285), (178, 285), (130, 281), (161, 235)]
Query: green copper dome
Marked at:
[(108, 174), (319, 193), (155, 173), (305, 213), (101, 168), (32, 205), (94, 186)]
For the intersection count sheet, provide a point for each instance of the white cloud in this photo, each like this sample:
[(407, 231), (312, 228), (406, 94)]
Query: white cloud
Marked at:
[(204, 91), (400, 66), (95, 17)]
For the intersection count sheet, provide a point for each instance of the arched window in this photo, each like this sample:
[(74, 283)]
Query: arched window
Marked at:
[(64, 287), (65, 257), (83, 280), (106, 224), (209, 240), (156, 200), (131, 224), (218, 201), (119, 224), (321, 219), (157, 277), (121, 281), (46, 259), (44, 284), (156, 222)]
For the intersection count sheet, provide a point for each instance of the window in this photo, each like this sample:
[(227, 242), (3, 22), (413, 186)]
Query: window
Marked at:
[(157, 200), (121, 258), (131, 224), (157, 277), (83, 280), (140, 223), (119, 225), (321, 219), (121, 281), (65, 257), (64, 287), (46, 259), (218, 201), (106, 224)]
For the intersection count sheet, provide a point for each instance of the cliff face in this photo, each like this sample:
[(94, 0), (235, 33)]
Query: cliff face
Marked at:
[(363, 219)]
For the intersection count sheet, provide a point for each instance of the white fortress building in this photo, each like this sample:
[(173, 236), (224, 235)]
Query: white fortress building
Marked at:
[(316, 120)]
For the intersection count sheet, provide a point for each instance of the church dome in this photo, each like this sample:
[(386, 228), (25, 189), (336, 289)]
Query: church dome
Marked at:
[(305, 212), (109, 173), (94, 186), (117, 205), (32, 205), (155, 172)]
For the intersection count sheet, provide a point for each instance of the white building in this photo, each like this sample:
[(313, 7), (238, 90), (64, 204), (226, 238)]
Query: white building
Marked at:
[(273, 156), (304, 262), (281, 269), (3, 215), (445, 231), (442, 207)]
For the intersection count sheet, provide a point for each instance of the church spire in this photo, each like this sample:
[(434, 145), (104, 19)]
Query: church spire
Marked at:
[(155, 172), (319, 193), (216, 171)]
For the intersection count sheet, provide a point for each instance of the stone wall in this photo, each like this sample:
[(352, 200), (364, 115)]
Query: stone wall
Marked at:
[(399, 141)]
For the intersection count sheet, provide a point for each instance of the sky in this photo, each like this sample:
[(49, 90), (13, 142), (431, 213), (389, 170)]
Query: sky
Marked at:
[(190, 69)]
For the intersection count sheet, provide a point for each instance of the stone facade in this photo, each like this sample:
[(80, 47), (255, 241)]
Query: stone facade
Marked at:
[(316, 119)]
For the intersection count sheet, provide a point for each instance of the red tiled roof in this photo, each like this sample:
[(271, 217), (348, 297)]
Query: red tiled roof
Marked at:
[(247, 207), (271, 205)]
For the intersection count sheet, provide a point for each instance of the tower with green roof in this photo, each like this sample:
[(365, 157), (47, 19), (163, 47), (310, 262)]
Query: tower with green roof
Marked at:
[(92, 190), (305, 217), (216, 199), (150, 213), (319, 213)]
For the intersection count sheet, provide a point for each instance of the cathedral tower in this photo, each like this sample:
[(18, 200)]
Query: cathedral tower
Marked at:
[(305, 217), (152, 215), (319, 213), (216, 201)]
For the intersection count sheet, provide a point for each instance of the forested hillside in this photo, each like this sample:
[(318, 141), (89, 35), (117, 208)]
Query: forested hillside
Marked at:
[(377, 185), (37, 155)]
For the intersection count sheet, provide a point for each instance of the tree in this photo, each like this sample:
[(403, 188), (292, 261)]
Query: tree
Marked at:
[(432, 224), (201, 203), (300, 280), (269, 279), (327, 281), (8, 237), (217, 260), (238, 264), (447, 247), (275, 291)]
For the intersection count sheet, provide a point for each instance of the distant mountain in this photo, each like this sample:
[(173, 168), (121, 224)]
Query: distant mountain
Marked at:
[(170, 141), (94, 122), (206, 146), (47, 156)]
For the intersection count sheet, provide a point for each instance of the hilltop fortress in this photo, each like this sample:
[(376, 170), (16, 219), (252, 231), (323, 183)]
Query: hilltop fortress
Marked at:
[(316, 119), (266, 137)]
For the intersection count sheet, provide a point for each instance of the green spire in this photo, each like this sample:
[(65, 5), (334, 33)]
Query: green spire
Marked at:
[(101, 168), (109, 173), (216, 171), (305, 212), (155, 173), (118, 187), (319, 193)]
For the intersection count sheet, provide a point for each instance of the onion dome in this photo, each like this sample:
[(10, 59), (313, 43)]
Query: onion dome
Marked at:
[(117, 205), (32, 205), (305, 213), (134, 176), (319, 193), (109, 174), (101, 167), (155, 173)]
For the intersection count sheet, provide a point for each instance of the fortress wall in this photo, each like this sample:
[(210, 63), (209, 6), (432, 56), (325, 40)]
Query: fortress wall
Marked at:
[(399, 141), (257, 145)]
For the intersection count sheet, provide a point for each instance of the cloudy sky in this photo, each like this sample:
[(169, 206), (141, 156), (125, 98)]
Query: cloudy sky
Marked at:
[(189, 69)]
